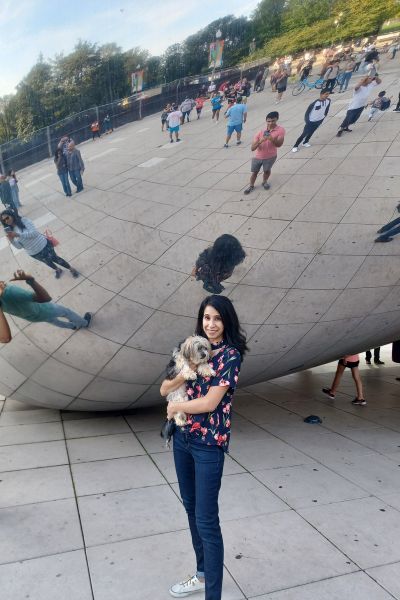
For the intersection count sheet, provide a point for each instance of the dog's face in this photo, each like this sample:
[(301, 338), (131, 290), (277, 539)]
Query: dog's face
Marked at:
[(196, 349)]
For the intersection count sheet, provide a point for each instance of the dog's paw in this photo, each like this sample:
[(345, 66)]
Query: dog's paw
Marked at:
[(205, 370), (180, 419), (189, 374)]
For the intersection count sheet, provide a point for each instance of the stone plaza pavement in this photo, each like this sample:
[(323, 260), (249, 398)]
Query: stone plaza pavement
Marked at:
[(89, 505)]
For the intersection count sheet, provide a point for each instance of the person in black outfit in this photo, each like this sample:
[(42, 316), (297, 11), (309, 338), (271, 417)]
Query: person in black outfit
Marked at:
[(314, 117), (377, 353), (397, 109), (217, 262)]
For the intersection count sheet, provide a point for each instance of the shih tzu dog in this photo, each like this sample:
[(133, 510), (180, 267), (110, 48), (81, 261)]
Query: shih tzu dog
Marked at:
[(189, 360)]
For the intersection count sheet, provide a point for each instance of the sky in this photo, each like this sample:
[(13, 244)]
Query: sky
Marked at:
[(31, 27)]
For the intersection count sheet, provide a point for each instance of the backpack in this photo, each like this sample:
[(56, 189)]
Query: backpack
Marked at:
[(385, 104)]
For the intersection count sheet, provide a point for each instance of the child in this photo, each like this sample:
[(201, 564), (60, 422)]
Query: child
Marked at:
[(351, 361), (381, 103), (199, 105), (164, 116)]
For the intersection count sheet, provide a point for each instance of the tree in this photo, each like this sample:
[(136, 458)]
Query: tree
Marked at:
[(267, 19), (303, 13)]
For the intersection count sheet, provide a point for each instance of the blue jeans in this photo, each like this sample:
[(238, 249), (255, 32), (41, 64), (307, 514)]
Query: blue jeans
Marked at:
[(65, 183), (389, 230), (345, 80), (74, 321), (76, 179), (199, 469)]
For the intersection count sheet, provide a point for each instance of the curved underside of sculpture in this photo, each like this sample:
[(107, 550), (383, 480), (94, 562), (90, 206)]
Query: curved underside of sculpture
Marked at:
[(312, 287)]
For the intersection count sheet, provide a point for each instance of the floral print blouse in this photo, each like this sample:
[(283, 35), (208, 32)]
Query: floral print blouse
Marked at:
[(214, 428)]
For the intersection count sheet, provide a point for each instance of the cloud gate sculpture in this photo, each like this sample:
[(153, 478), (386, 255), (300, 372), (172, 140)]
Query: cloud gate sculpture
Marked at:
[(299, 260)]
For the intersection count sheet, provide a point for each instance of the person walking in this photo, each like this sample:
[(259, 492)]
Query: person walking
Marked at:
[(351, 361), (305, 71), (63, 144), (265, 145), (257, 80), (164, 115), (199, 102), (314, 117), (13, 181), (173, 122), (95, 127), (347, 75), (387, 232), (6, 195), (360, 98), (264, 78), (236, 115), (216, 105), (330, 76), (377, 356), (359, 57), (186, 108), (35, 305), (22, 234), (60, 160), (281, 83), (107, 125), (199, 446), (76, 166)]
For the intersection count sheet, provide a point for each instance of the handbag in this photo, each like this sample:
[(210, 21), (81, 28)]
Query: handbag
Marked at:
[(167, 431), (48, 234)]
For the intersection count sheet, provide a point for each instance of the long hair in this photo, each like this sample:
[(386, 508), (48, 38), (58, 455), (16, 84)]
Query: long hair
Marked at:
[(14, 214), (233, 333), (225, 254)]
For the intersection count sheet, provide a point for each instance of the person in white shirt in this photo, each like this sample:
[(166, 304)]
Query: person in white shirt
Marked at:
[(358, 102), (173, 122)]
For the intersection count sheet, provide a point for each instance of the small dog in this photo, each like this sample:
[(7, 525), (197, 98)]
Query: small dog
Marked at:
[(194, 352)]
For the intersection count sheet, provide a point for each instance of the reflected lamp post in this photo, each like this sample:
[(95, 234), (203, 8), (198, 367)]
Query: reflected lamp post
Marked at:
[(218, 35)]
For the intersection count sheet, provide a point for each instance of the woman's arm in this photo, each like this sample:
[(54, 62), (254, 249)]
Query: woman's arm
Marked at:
[(170, 385), (29, 232), (205, 404)]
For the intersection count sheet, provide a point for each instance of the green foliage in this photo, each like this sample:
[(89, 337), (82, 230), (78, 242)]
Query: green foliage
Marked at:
[(94, 75)]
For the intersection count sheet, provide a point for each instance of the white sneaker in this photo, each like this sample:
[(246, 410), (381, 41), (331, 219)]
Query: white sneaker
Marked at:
[(187, 587), (306, 145), (295, 149)]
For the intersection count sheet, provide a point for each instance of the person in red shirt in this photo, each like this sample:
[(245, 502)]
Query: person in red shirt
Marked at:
[(265, 145), (95, 127), (199, 105)]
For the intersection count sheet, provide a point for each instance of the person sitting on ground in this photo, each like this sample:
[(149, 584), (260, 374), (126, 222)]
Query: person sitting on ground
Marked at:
[(34, 306), (380, 104), (351, 361), (217, 263)]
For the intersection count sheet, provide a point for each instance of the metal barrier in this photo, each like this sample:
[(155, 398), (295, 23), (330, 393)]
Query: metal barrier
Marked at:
[(20, 153)]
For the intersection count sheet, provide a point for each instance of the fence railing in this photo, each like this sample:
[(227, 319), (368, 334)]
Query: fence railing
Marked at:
[(20, 153)]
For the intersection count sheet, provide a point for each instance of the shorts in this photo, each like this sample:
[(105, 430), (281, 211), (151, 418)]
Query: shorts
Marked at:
[(171, 129), (281, 89), (214, 110), (265, 163), (232, 128), (199, 109), (350, 365)]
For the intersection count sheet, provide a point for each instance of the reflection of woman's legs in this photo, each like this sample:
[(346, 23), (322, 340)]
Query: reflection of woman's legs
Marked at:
[(355, 373), (338, 376)]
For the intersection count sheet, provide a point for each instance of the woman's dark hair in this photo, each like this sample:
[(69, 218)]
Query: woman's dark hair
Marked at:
[(14, 214), (57, 153), (225, 254), (233, 333)]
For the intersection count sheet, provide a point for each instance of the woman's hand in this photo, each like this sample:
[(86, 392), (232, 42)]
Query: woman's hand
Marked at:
[(12, 234), (172, 409)]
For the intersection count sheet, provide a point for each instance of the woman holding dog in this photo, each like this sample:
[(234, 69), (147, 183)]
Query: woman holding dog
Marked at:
[(200, 445)]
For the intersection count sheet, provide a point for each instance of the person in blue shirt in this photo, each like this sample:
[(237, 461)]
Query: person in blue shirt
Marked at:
[(216, 105), (237, 115)]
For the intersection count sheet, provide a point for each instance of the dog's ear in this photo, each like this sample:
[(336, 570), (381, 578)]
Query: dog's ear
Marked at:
[(186, 349)]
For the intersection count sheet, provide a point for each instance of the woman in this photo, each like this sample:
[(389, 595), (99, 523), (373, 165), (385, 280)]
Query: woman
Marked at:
[(22, 233), (60, 160), (281, 83), (200, 446), (216, 105), (351, 361), (217, 262)]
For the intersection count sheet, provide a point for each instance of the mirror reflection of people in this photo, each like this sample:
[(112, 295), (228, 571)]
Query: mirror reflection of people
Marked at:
[(351, 361), (377, 356), (34, 305), (218, 262), (76, 166), (200, 445), (22, 234)]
